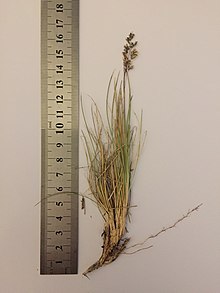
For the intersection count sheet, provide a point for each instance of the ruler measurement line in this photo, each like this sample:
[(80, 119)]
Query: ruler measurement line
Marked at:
[(52, 202), (55, 129), (54, 231), (54, 84), (54, 39), (63, 260), (64, 9), (67, 100), (54, 216), (64, 158), (52, 143), (54, 24), (60, 78), (65, 114), (63, 69)]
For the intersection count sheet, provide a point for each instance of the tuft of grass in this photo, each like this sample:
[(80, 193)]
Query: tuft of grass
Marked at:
[(112, 148)]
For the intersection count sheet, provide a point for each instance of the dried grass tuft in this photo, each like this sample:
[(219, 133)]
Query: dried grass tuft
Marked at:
[(112, 151)]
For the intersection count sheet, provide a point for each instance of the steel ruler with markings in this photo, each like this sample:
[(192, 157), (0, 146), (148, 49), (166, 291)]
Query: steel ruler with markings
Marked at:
[(60, 132)]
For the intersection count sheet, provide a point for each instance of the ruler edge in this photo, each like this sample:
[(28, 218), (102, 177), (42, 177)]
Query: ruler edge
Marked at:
[(44, 6), (75, 134)]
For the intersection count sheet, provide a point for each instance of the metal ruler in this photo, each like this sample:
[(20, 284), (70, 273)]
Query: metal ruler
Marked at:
[(60, 132)]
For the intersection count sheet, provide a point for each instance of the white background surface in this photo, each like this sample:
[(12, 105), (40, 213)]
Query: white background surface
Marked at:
[(176, 83)]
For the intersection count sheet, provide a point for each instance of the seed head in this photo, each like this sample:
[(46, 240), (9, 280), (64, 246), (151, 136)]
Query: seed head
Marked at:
[(129, 53)]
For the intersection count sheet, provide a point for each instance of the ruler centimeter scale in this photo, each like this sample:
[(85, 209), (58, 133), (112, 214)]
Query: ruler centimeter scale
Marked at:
[(60, 132)]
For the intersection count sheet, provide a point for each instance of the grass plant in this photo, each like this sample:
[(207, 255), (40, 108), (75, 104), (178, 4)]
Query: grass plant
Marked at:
[(112, 147)]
